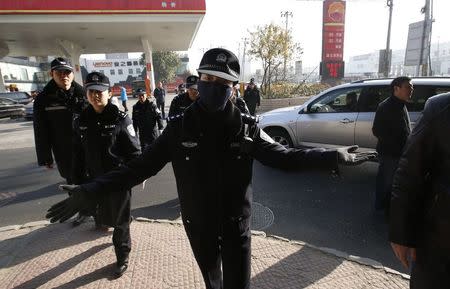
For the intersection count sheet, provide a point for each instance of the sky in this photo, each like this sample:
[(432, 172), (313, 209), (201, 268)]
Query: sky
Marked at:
[(227, 23)]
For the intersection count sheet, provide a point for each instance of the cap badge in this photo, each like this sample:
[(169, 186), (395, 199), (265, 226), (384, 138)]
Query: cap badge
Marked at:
[(221, 58), (95, 78)]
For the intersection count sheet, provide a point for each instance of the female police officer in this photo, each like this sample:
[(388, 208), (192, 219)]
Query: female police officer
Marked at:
[(211, 147), (105, 139)]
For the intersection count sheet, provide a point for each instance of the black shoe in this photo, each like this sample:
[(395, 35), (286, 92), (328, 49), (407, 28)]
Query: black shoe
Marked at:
[(79, 219), (121, 267)]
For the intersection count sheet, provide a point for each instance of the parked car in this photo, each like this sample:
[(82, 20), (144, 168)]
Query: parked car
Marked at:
[(21, 97), (11, 108), (330, 120), (29, 110)]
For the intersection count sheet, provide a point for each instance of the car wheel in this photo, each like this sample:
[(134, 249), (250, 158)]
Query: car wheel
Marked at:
[(280, 136)]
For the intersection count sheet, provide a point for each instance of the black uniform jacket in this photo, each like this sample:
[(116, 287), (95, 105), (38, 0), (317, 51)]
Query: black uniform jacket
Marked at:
[(103, 142), (53, 111), (252, 98), (159, 94), (147, 120), (420, 205), (179, 104), (391, 126), (212, 162)]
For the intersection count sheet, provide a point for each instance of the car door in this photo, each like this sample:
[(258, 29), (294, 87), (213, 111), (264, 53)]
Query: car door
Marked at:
[(370, 97), (330, 119)]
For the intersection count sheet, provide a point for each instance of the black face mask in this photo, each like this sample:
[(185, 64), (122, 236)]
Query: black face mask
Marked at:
[(213, 96)]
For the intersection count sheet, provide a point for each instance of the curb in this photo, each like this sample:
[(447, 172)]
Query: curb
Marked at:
[(340, 254)]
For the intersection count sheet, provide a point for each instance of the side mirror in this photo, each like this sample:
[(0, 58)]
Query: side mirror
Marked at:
[(301, 111)]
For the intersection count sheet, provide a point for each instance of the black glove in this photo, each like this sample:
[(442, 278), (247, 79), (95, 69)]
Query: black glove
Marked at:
[(348, 156), (65, 209)]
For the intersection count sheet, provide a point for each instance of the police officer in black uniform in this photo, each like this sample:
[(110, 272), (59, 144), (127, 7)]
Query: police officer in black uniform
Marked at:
[(252, 97), (185, 99), (147, 119), (105, 139), (211, 147), (53, 111)]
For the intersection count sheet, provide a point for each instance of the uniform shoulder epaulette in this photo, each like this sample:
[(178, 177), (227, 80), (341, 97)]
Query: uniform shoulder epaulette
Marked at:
[(122, 114), (175, 117), (249, 119)]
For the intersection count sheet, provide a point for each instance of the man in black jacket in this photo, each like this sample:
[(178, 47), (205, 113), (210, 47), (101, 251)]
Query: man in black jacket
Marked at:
[(185, 99), (212, 147), (391, 127), (147, 119), (420, 205), (53, 111), (252, 97), (160, 95)]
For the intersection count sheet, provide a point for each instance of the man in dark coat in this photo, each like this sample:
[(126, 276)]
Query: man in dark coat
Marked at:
[(391, 127), (160, 95), (212, 147), (147, 119), (105, 139), (252, 97), (420, 205), (185, 99), (53, 111)]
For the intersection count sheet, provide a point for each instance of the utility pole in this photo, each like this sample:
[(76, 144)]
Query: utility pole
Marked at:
[(286, 14), (245, 39), (427, 21), (387, 54)]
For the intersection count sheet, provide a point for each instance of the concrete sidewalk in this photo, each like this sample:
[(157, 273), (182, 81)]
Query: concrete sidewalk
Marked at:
[(39, 255)]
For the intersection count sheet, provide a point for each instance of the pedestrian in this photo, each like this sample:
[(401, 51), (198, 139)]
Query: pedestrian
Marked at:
[(147, 119), (183, 100), (53, 112), (252, 97), (105, 139), (124, 97), (212, 147), (420, 205), (391, 126), (160, 95)]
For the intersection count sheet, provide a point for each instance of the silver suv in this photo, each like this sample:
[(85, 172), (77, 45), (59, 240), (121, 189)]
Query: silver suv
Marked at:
[(343, 115)]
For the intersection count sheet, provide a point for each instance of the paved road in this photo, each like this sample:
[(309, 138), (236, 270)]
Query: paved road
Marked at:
[(309, 206)]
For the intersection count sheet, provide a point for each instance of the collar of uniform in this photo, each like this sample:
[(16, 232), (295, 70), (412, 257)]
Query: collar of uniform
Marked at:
[(109, 114), (195, 117)]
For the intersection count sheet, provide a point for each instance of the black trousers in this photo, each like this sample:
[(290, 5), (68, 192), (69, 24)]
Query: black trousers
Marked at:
[(431, 269), (160, 105), (230, 250)]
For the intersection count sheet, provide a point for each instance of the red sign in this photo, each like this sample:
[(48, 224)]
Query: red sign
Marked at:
[(103, 7), (333, 30)]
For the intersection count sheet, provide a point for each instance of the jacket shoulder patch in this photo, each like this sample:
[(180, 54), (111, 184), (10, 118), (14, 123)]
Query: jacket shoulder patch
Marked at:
[(122, 114), (130, 130), (249, 119), (175, 117)]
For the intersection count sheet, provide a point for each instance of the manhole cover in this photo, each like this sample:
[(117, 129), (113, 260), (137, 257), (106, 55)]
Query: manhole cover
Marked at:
[(262, 217)]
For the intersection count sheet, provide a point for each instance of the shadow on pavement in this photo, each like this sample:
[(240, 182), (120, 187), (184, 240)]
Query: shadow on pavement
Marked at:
[(298, 270), (25, 247), (169, 210), (41, 193), (66, 266)]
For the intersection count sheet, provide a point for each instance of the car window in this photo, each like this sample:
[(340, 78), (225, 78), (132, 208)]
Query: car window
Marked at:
[(421, 94), (371, 96), (6, 101), (14, 95), (341, 100)]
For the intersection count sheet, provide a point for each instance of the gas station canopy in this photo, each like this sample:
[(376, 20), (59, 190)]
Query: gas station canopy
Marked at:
[(36, 28)]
